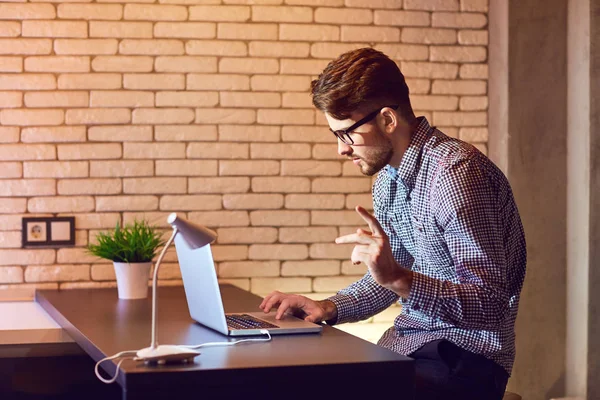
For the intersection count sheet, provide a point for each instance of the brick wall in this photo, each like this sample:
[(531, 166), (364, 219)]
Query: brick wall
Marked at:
[(111, 111)]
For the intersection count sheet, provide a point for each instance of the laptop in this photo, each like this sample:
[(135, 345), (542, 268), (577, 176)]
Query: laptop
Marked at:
[(206, 305)]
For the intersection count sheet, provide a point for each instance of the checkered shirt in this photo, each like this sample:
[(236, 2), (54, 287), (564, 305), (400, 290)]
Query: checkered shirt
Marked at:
[(451, 218)]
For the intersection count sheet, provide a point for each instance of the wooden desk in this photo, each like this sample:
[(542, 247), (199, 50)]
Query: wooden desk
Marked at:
[(290, 366)]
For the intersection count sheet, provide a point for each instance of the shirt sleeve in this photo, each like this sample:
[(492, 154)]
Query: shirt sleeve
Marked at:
[(466, 206), (361, 300)]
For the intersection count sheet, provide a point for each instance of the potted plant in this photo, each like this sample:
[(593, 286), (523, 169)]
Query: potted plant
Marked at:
[(131, 248)]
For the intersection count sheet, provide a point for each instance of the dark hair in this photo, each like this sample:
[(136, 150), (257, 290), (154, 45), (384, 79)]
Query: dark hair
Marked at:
[(361, 79)]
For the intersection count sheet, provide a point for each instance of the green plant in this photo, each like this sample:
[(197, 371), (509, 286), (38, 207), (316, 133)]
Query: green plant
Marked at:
[(132, 243)]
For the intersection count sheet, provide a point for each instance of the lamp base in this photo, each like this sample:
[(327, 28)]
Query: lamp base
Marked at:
[(166, 354)]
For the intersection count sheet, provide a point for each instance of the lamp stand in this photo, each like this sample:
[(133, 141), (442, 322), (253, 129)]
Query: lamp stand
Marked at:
[(163, 353)]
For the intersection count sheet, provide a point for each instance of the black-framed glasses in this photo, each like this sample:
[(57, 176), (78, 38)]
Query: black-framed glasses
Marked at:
[(344, 134)]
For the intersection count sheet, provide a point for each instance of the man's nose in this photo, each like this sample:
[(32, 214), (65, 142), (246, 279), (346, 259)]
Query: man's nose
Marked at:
[(343, 148)]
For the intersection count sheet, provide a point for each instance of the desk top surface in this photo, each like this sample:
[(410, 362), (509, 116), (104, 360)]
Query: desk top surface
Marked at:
[(103, 325)]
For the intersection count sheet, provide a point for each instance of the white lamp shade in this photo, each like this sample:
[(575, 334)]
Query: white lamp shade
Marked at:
[(196, 236)]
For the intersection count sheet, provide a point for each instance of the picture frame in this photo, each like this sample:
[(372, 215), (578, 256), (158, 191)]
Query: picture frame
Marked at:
[(48, 231)]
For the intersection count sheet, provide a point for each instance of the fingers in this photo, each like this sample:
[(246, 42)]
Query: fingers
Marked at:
[(360, 237), (371, 221), (270, 301), (360, 254), (283, 307)]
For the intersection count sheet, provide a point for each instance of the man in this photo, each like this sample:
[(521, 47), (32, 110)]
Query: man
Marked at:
[(446, 239)]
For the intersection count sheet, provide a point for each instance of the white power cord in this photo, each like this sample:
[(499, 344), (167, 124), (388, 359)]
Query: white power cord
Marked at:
[(132, 353)]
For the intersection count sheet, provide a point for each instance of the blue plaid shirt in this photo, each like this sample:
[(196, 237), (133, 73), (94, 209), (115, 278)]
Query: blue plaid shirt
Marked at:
[(451, 218)]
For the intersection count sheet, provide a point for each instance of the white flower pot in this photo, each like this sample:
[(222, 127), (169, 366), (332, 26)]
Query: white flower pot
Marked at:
[(132, 279)]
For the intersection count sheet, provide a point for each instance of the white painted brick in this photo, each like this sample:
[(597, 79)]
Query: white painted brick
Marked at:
[(89, 81), (154, 81), (331, 50), (370, 34), (154, 185), (89, 186), (249, 168), (420, 102), (53, 134), (432, 5), (460, 87), (27, 11), (278, 252), (482, 147), (176, 133), (282, 14), (60, 204), (279, 49), (242, 269), (216, 48), (10, 100), (280, 83), (24, 117), (326, 152), (120, 30), (307, 235), (217, 150), (312, 33), (458, 53), (225, 116), (263, 286), (280, 150), (85, 46), (346, 15), (451, 131), (249, 65), (188, 30), (280, 185), (96, 220), (279, 218), (296, 100), (11, 274), (331, 251), (389, 4), (57, 64), (153, 47), (474, 71), (90, 11), (219, 185), (25, 46), (402, 18), (121, 168), (247, 31), (429, 36), (283, 117), (122, 64), (9, 134), (10, 28), (186, 168), (302, 67), (190, 202), (27, 82), (246, 235), (217, 82), (220, 218), (169, 271), (121, 98), (243, 284), (311, 134), (56, 99), (339, 218), (474, 134), (27, 257), (252, 201), (460, 118), (245, 133), (78, 256), (474, 5), (186, 64), (314, 201), (11, 64), (10, 222), (103, 272), (76, 29), (310, 168), (55, 169), (320, 3), (229, 253), (219, 13), (92, 116), (473, 103), (471, 37), (429, 70), (410, 52), (126, 203), (163, 116), (363, 200), (333, 283), (250, 99), (12, 206), (89, 151), (341, 185), (153, 150), (155, 12), (458, 20)]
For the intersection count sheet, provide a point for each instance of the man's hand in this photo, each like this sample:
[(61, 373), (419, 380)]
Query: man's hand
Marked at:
[(373, 249), (300, 306)]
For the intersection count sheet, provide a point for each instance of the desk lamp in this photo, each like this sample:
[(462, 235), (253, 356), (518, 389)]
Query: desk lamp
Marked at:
[(196, 236)]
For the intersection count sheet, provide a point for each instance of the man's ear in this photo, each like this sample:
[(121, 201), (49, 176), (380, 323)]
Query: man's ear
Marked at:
[(391, 120)]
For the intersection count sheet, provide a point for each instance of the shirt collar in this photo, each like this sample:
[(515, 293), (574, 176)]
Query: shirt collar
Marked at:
[(406, 173)]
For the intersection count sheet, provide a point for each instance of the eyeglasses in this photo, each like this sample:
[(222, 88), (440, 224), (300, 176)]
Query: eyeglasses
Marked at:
[(344, 134)]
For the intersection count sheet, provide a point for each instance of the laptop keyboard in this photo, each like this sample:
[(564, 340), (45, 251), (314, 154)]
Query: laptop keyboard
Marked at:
[(245, 321)]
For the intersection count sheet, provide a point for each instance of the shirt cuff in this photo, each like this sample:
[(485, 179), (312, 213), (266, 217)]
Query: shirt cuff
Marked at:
[(424, 293), (344, 305)]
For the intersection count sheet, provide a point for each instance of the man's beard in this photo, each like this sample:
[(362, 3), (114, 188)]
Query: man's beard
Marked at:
[(376, 158)]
